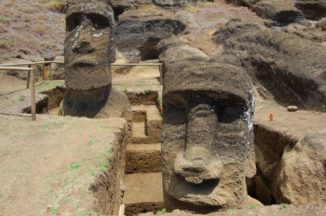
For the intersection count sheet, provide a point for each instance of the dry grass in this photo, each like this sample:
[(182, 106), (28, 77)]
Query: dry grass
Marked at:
[(56, 5), (30, 29)]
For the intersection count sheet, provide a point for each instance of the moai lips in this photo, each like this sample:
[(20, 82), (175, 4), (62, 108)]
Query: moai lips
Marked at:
[(88, 44), (207, 136)]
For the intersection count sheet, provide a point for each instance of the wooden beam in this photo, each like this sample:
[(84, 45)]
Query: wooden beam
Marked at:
[(33, 105), (15, 68)]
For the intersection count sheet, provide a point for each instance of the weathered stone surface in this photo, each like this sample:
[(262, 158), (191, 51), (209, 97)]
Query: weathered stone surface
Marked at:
[(88, 45), (174, 49), (280, 11), (312, 9), (89, 52), (321, 24), (307, 32), (206, 132), (292, 108), (289, 66), (301, 175), (169, 3), (58, 69), (139, 32)]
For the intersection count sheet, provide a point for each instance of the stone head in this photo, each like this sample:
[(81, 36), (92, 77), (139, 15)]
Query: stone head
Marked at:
[(207, 136), (88, 44)]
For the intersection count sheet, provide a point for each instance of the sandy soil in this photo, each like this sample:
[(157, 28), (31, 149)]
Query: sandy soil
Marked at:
[(47, 166)]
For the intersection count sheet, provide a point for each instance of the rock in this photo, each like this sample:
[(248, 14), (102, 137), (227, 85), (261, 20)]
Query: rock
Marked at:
[(290, 67), (233, 27), (23, 74), (306, 32), (169, 3), (281, 11), (89, 52), (203, 98), (321, 25), (292, 108), (58, 69), (312, 9), (301, 175), (139, 32)]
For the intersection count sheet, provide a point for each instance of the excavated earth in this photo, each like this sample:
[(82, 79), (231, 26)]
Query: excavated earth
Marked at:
[(71, 166)]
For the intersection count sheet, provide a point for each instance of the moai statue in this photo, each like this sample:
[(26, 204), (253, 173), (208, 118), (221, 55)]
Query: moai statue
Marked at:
[(207, 149), (89, 52)]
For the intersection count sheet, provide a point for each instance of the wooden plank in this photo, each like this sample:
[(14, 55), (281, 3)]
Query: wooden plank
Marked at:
[(15, 68), (31, 63)]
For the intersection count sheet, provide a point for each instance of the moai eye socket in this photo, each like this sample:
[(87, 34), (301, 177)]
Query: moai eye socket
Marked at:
[(99, 21), (73, 21)]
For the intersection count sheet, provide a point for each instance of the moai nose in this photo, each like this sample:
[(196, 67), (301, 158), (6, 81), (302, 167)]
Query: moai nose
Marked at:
[(195, 166)]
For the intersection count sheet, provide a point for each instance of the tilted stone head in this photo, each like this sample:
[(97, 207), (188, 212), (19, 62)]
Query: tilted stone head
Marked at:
[(88, 44), (207, 135)]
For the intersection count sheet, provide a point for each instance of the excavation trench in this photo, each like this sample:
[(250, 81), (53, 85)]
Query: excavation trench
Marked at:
[(142, 181)]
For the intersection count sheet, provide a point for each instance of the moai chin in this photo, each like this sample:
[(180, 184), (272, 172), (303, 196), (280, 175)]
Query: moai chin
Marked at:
[(207, 145), (88, 55)]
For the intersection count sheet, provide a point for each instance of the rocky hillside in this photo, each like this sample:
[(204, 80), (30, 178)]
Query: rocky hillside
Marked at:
[(31, 27)]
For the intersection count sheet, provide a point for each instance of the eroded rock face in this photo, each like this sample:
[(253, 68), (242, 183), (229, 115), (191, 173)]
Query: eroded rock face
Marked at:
[(287, 65), (312, 9), (88, 55), (280, 11), (301, 178), (169, 3), (139, 32), (207, 135)]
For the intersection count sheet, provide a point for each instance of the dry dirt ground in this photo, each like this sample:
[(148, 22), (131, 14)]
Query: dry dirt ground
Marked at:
[(276, 210), (47, 166)]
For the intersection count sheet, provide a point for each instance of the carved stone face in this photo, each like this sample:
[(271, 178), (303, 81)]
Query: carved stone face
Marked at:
[(205, 152), (88, 45)]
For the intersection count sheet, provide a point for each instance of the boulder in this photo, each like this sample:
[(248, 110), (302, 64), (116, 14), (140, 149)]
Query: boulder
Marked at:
[(290, 67), (281, 11), (321, 25), (312, 9), (139, 32), (169, 3), (301, 175)]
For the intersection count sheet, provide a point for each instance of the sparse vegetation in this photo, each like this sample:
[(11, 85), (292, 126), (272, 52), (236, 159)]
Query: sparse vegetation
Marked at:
[(161, 211), (323, 108), (5, 43), (4, 19), (283, 205)]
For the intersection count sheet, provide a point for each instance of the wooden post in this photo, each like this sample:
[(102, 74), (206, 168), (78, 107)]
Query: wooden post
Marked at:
[(161, 73), (33, 105), (51, 74), (29, 76)]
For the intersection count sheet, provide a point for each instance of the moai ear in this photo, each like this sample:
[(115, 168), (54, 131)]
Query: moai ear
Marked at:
[(250, 168)]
